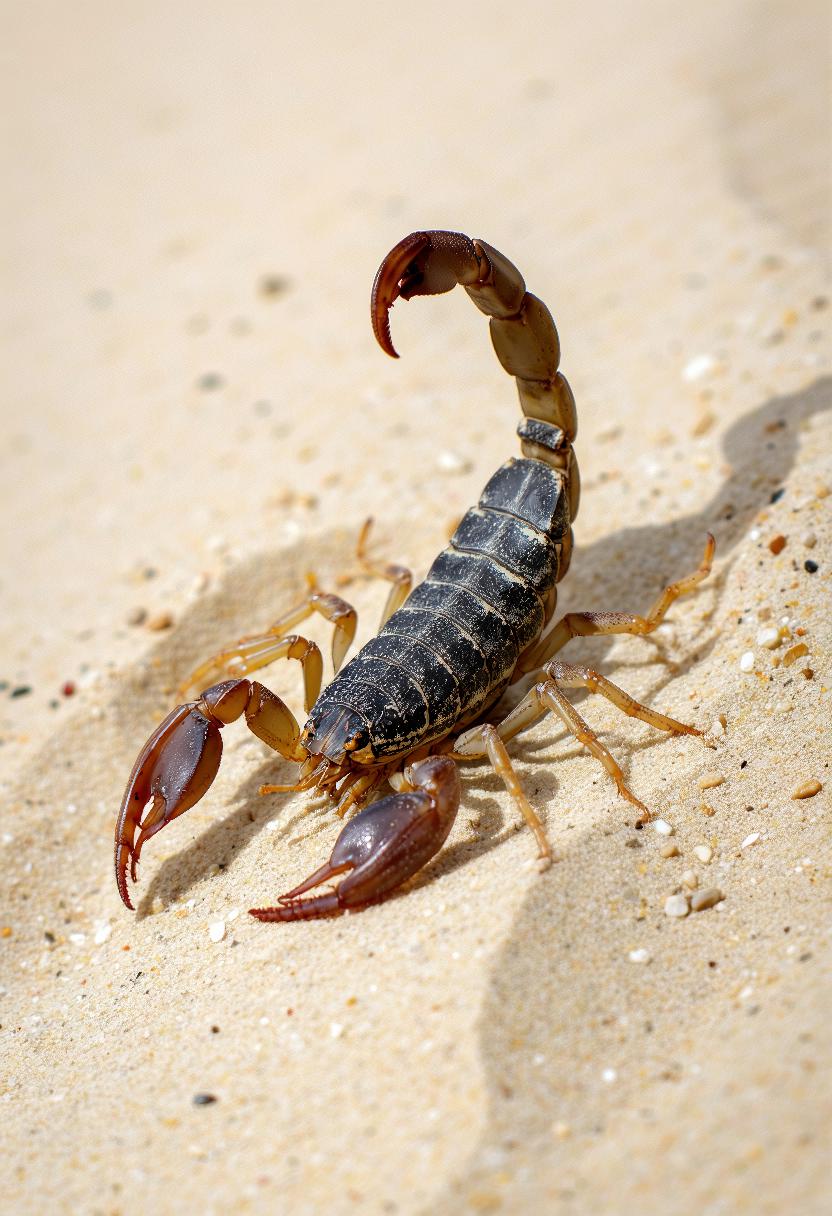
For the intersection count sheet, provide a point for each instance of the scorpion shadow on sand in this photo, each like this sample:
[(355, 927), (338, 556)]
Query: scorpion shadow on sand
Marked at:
[(760, 450), (538, 983)]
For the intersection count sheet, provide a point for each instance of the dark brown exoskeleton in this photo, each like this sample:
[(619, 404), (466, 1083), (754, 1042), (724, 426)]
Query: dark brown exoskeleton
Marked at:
[(417, 697)]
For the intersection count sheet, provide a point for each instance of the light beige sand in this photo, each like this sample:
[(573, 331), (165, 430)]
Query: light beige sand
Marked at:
[(179, 440)]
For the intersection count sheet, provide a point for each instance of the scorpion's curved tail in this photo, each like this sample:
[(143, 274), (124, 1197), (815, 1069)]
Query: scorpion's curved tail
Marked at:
[(522, 331)]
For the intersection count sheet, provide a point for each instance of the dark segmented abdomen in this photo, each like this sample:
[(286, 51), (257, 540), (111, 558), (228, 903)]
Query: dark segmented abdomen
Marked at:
[(453, 645)]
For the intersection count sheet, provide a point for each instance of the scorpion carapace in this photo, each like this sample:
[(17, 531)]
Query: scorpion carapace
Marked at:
[(422, 694)]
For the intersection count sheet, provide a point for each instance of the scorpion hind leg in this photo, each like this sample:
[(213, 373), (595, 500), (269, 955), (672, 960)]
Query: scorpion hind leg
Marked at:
[(381, 847)]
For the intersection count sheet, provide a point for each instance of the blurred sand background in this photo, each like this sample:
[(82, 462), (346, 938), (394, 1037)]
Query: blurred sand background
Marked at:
[(195, 198)]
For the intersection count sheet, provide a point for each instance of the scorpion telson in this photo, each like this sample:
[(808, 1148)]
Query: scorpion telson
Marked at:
[(421, 695)]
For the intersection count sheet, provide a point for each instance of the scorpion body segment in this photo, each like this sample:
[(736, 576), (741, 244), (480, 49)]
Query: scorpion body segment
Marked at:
[(418, 696)]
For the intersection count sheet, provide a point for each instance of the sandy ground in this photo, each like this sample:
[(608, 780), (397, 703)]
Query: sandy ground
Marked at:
[(195, 414)]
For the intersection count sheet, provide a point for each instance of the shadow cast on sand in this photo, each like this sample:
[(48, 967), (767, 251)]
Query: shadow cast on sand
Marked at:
[(537, 985)]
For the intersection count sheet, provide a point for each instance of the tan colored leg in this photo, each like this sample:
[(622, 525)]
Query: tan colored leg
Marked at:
[(258, 650), (400, 577), (497, 754), (592, 624), (548, 697)]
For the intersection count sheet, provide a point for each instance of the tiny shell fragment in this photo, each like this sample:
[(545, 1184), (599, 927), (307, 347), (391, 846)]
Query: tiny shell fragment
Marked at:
[(709, 781), (794, 653)]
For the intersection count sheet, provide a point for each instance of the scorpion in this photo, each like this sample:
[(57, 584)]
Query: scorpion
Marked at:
[(420, 696)]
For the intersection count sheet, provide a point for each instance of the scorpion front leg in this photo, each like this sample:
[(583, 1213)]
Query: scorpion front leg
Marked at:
[(181, 758), (381, 847)]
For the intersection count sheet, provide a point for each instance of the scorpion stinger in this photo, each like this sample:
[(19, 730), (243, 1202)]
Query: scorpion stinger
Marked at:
[(429, 681)]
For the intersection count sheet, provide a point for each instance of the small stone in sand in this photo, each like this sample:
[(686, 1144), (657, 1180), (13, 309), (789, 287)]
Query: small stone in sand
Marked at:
[(750, 840), (747, 661), (204, 1099), (690, 879), (676, 905), (671, 849), (700, 900), (808, 789), (769, 637), (777, 543), (162, 620), (709, 781), (639, 956), (703, 852), (810, 540), (663, 827), (216, 930)]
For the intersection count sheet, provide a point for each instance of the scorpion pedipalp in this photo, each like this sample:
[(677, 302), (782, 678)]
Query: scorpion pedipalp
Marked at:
[(181, 758), (381, 847)]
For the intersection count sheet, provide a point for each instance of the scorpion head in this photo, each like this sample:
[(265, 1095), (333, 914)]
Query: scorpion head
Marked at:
[(339, 735)]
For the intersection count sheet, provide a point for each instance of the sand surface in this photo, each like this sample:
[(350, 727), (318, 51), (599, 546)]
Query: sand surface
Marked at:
[(195, 414)]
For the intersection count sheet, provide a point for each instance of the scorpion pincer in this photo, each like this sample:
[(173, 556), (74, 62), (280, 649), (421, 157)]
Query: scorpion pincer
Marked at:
[(422, 694)]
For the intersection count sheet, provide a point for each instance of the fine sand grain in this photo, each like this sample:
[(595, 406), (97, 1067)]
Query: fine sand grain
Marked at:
[(195, 415)]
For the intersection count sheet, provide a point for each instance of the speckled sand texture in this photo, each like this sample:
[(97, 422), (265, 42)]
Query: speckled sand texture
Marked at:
[(195, 414)]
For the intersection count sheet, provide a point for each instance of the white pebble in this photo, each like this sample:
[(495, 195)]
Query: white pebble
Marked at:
[(747, 661), (232, 915), (77, 939), (336, 1029), (216, 930), (676, 905), (450, 462), (640, 956), (769, 637), (703, 852), (690, 879), (609, 1075), (663, 827), (717, 729), (697, 367), (749, 840), (102, 934)]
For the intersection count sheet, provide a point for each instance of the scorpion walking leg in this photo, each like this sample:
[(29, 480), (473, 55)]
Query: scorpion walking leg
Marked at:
[(258, 650), (380, 847), (548, 697), (399, 576), (488, 740), (593, 624)]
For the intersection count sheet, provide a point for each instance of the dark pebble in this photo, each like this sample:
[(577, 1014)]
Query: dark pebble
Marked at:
[(274, 284), (204, 1099), (22, 690), (777, 495), (810, 567), (210, 381)]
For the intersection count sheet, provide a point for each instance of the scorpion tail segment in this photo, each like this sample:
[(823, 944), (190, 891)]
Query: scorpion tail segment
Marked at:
[(381, 847), (181, 758), (422, 264)]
